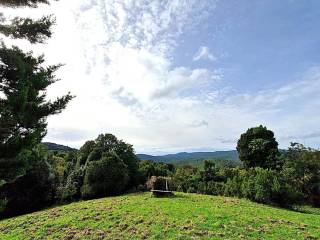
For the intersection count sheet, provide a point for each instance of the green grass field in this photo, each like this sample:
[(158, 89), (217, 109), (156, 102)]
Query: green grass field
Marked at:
[(185, 216)]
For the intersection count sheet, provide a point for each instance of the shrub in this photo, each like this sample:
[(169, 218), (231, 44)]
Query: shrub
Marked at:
[(72, 190), (264, 186), (29, 192), (186, 179), (211, 188), (302, 170)]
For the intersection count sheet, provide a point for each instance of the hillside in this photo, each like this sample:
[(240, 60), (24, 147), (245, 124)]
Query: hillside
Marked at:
[(58, 147), (186, 216), (183, 156)]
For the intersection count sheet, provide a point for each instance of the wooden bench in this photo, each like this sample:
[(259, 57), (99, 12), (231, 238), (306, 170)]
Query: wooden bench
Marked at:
[(162, 193)]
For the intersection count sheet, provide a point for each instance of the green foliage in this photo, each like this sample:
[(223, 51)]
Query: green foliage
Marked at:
[(35, 31), (27, 180), (219, 162), (84, 152), (257, 147), (72, 189), (186, 179), (105, 177), (32, 190), (107, 143), (23, 81), (302, 169), (149, 168)]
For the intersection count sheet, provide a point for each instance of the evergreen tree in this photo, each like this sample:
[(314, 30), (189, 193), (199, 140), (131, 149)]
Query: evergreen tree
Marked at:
[(23, 83)]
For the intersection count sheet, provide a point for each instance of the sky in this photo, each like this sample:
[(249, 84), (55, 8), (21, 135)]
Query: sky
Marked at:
[(183, 75)]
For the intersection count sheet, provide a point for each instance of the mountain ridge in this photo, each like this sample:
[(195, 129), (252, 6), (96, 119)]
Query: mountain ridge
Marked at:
[(181, 156), (58, 147), (168, 158)]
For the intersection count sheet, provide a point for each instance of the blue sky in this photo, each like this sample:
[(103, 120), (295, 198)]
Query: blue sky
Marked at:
[(259, 44), (175, 75)]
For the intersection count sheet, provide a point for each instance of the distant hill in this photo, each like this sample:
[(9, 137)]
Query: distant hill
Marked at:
[(58, 147), (184, 156)]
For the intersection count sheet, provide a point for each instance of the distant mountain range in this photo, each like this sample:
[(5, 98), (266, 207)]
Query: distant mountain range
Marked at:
[(58, 147), (177, 158), (183, 156)]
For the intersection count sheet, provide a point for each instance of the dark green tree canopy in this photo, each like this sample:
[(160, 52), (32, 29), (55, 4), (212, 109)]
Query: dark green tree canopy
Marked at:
[(108, 143), (257, 147), (108, 176), (23, 83)]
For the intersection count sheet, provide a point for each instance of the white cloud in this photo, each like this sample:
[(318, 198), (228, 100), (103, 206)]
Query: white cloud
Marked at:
[(204, 54), (119, 64)]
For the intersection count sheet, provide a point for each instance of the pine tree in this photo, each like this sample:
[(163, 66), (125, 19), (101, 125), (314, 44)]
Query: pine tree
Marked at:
[(23, 83)]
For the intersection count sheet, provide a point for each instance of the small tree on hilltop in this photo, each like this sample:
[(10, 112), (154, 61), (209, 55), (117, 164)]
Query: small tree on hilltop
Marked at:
[(106, 143), (107, 176), (257, 147)]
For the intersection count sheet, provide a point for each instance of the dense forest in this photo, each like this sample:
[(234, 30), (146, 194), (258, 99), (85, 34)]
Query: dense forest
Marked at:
[(32, 177)]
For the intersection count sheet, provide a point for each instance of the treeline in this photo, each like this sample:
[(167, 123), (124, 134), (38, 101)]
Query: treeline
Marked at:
[(297, 182), (268, 175), (102, 167)]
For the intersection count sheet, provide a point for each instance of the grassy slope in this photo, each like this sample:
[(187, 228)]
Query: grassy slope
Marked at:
[(186, 216)]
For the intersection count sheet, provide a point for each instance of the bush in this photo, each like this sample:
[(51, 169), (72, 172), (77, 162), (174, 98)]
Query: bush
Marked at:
[(302, 171), (72, 190), (149, 168), (262, 185), (211, 188), (186, 179), (106, 177), (29, 192)]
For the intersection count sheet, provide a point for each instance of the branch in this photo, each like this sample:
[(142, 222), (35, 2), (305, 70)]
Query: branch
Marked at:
[(22, 3), (36, 31)]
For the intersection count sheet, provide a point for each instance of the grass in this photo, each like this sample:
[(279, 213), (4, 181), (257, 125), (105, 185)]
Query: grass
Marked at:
[(185, 216)]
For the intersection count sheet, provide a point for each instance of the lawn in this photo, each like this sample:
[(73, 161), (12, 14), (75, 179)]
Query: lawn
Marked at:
[(185, 216)]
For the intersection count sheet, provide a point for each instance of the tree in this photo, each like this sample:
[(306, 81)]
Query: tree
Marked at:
[(108, 176), (257, 147), (106, 143), (23, 83), (84, 152), (27, 180)]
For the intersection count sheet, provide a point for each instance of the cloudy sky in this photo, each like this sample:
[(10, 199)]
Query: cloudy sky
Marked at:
[(184, 75)]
